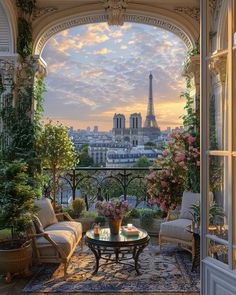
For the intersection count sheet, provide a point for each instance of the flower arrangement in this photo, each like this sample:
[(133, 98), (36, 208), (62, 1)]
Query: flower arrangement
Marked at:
[(166, 186), (114, 209)]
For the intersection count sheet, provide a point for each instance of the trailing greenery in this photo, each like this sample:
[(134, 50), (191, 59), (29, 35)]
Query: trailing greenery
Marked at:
[(24, 40), (26, 6)]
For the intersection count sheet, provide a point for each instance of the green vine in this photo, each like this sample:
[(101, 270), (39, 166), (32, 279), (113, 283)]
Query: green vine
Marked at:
[(21, 120), (24, 40)]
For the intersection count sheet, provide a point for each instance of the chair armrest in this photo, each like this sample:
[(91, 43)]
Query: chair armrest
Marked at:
[(51, 241), (64, 216)]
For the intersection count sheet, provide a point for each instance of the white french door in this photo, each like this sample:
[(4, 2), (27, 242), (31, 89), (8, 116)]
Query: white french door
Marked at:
[(218, 147)]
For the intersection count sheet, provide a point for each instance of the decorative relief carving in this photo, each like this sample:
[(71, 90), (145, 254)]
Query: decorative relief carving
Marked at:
[(103, 18), (161, 24), (42, 11), (218, 66), (115, 11), (192, 12)]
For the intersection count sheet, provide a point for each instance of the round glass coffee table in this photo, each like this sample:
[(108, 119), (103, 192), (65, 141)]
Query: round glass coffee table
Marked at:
[(116, 248)]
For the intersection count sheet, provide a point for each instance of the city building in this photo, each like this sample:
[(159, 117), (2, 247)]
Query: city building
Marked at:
[(123, 157), (136, 134), (98, 150)]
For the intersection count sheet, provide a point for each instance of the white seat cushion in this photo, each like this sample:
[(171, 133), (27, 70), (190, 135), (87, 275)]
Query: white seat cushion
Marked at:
[(46, 213), (71, 226), (176, 229), (64, 239)]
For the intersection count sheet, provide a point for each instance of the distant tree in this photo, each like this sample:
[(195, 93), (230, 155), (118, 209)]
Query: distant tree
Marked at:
[(57, 152), (84, 147), (84, 159), (143, 162)]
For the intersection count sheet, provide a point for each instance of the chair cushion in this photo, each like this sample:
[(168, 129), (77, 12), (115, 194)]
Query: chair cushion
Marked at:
[(187, 200), (64, 239), (46, 213), (71, 226), (176, 229)]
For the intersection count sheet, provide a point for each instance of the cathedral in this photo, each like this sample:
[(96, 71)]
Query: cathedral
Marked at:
[(137, 133)]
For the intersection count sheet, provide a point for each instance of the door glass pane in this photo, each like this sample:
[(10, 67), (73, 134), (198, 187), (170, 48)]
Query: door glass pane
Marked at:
[(218, 251), (218, 203), (218, 114)]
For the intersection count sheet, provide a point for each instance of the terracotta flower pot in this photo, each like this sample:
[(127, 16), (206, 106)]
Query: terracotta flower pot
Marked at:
[(114, 225)]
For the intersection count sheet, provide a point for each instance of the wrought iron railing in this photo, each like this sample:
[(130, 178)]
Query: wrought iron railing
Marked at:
[(95, 183)]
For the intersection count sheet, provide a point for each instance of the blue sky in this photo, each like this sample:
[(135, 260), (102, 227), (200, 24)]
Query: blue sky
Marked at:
[(95, 71)]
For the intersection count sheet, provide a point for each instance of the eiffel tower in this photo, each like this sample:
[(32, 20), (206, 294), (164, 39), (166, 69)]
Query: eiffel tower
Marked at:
[(150, 118)]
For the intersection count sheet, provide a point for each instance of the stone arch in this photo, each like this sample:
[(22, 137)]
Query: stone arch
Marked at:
[(170, 21), (7, 28)]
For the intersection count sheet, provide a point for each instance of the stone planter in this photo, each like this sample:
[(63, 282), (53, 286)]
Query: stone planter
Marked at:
[(14, 261), (87, 223)]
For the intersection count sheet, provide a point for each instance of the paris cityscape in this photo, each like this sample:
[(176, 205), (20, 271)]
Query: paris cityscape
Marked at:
[(127, 142)]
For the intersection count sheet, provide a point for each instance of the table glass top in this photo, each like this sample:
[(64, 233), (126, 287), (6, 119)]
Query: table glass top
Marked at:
[(105, 235)]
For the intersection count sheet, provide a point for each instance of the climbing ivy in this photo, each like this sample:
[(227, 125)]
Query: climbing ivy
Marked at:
[(21, 119)]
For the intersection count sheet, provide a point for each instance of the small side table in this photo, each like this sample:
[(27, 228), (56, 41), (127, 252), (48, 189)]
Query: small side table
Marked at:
[(195, 247), (116, 248)]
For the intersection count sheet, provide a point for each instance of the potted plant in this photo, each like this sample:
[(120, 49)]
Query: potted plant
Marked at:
[(216, 214), (18, 191), (57, 152), (114, 210)]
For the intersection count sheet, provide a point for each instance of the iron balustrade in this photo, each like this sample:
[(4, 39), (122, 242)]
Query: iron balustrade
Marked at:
[(97, 178)]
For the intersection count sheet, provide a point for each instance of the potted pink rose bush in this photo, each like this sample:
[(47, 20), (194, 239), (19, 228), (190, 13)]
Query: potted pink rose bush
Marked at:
[(114, 211), (166, 186)]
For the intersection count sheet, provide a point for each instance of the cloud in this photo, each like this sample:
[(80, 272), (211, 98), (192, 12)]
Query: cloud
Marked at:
[(86, 85), (123, 47), (102, 51)]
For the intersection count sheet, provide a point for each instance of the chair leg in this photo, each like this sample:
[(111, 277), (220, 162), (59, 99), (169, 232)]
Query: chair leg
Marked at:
[(65, 270)]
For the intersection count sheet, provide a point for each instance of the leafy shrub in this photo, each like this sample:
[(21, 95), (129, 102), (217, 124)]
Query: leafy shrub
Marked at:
[(147, 218), (78, 206), (100, 220), (135, 213), (89, 214), (70, 211)]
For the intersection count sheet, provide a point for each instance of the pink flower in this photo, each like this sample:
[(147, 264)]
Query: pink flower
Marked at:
[(191, 139), (198, 163), (164, 183), (182, 164), (165, 153)]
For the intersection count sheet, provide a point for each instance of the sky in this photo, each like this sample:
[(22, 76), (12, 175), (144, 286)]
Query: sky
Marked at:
[(95, 71)]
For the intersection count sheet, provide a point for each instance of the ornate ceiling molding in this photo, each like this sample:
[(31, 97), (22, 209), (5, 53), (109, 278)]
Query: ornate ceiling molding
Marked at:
[(192, 12), (115, 10), (77, 21), (39, 12)]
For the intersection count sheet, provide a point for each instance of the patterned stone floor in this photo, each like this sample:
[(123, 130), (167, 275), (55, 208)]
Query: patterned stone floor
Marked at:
[(169, 269)]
